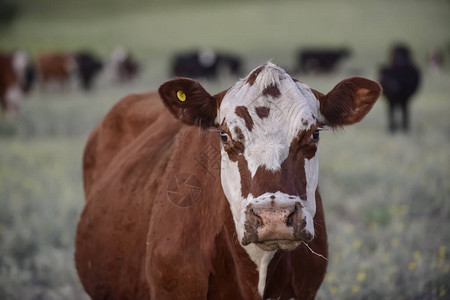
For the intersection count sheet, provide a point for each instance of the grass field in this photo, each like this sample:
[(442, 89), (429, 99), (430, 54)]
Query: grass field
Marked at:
[(386, 196)]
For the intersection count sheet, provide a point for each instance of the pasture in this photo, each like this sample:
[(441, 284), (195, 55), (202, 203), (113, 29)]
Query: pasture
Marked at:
[(386, 197)]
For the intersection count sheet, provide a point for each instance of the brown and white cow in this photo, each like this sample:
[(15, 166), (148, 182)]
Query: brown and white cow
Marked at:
[(160, 224), (16, 79)]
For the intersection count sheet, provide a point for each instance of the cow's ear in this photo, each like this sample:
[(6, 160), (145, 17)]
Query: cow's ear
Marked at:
[(348, 102), (189, 102)]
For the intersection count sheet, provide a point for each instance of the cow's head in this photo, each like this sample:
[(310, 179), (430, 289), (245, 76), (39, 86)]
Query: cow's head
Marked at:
[(269, 128)]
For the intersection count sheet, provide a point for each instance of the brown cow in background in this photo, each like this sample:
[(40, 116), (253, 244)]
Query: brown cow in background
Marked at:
[(55, 68)]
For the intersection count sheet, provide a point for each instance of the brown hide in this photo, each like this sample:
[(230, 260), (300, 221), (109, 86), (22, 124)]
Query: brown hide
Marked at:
[(134, 242), (7, 79), (54, 67), (126, 120)]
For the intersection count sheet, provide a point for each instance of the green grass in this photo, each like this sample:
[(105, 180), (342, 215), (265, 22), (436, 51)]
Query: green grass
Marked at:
[(386, 196)]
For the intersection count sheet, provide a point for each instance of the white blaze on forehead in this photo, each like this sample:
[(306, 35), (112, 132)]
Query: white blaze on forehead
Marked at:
[(267, 143)]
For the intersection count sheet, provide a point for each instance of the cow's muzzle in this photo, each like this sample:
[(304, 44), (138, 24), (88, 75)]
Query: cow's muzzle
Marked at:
[(273, 227)]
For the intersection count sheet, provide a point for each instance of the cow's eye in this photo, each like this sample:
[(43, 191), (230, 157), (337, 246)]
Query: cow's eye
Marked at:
[(315, 136), (224, 137)]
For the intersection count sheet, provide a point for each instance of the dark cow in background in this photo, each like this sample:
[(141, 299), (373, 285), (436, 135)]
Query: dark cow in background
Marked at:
[(59, 68), (88, 66), (122, 67), (400, 80), (232, 211), (17, 74), (207, 64), (55, 68), (320, 60)]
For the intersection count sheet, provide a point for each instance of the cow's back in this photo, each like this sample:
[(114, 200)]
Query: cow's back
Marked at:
[(7, 77), (124, 122)]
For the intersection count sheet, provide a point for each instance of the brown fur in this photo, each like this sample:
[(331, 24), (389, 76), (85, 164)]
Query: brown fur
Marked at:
[(252, 77), (272, 90), (54, 67), (7, 80), (200, 108), (242, 112), (349, 101), (262, 112), (239, 134)]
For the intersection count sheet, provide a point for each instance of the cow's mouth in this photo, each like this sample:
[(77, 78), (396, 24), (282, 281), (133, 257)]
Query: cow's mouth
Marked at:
[(288, 245)]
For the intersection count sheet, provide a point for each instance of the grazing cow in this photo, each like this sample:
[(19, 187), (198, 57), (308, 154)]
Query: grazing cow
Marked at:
[(320, 60), (435, 60), (88, 67), (206, 64), (16, 79), (400, 80), (55, 67), (122, 67), (230, 212)]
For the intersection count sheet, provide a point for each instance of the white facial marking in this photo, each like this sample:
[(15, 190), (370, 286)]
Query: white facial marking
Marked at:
[(267, 145), (262, 259), (231, 184)]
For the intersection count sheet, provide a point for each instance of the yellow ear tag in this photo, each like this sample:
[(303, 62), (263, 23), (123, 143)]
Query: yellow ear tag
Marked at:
[(181, 96)]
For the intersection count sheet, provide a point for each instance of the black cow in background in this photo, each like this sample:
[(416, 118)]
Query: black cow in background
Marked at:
[(320, 60), (400, 80), (207, 64), (88, 67)]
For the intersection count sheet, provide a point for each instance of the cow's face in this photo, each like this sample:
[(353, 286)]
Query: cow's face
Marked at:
[(269, 128)]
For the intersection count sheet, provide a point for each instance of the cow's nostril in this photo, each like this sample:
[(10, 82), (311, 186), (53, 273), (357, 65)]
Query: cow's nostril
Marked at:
[(308, 236), (256, 218), (291, 217)]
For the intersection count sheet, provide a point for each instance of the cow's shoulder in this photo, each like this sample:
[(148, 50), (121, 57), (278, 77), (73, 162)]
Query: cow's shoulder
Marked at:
[(126, 120)]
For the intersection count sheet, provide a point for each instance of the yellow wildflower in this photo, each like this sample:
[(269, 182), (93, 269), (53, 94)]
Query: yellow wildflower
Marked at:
[(361, 276), (395, 242), (356, 244), (417, 255), (333, 289)]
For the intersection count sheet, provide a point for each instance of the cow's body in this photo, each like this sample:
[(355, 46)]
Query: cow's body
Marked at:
[(55, 68), (88, 68), (207, 64), (16, 79), (158, 224), (400, 80), (320, 60), (122, 67)]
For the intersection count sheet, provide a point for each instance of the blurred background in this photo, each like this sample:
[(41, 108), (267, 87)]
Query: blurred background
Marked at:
[(385, 182)]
